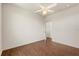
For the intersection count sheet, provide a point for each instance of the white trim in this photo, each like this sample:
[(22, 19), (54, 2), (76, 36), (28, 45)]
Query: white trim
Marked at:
[(0, 52), (66, 44)]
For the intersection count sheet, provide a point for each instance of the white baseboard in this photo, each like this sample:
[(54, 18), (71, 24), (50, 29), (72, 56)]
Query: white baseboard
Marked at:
[(0, 52), (68, 44)]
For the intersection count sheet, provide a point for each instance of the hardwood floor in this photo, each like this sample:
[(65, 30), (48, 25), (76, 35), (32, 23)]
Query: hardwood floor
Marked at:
[(42, 48)]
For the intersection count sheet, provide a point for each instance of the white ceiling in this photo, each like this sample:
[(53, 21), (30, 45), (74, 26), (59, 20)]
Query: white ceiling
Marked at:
[(32, 7)]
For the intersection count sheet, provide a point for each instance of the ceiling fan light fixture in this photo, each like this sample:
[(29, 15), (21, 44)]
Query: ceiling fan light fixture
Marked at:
[(44, 13), (45, 10)]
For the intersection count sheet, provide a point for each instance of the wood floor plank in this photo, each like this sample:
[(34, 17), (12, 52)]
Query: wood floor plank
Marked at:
[(42, 48)]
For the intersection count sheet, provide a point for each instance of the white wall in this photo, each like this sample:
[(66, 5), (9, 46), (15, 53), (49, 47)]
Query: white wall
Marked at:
[(20, 27), (65, 26), (0, 30)]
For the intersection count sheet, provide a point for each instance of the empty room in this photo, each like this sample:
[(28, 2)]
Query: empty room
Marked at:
[(39, 29)]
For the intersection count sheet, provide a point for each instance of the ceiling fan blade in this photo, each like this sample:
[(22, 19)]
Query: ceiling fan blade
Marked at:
[(53, 5), (41, 6), (38, 11), (50, 10)]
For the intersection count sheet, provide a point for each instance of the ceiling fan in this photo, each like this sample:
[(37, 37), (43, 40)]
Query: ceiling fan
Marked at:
[(45, 10)]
